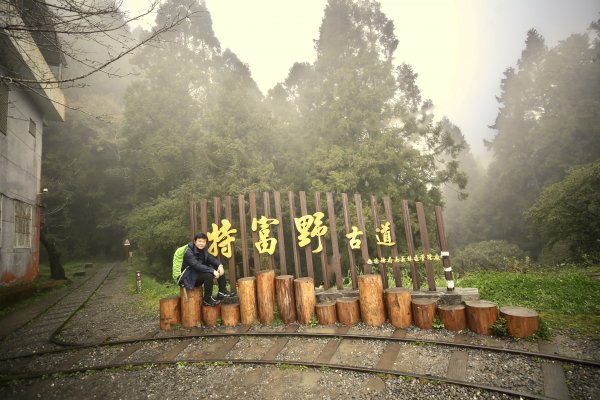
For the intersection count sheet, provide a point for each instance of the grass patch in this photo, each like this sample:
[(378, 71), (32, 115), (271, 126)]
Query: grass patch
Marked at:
[(566, 297), (152, 290)]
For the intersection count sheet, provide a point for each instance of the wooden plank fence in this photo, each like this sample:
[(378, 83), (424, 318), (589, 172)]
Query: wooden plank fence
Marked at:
[(252, 239)]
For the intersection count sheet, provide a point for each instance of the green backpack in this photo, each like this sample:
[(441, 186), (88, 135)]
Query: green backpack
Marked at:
[(178, 261)]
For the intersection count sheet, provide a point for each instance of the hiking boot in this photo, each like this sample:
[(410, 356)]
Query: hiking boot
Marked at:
[(212, 302), (224, 294)]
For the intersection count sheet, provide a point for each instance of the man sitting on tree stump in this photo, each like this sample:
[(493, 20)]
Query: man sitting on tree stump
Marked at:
[(200, 267)]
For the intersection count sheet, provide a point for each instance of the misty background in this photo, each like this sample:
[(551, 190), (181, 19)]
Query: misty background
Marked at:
[(458, 47), (184, 117)]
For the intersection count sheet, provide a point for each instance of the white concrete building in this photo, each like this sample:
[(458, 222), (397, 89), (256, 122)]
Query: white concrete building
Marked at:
[(24, 111)]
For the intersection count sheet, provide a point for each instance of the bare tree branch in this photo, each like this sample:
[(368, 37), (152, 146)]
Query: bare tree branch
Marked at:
[(42, 21)]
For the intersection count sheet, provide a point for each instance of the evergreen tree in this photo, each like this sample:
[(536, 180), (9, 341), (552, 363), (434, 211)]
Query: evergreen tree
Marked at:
[(547, 122), (162, 107), (362, 123), (237, 149)]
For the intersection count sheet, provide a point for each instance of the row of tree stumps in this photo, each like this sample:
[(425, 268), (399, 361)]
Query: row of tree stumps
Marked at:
[(295, 300)]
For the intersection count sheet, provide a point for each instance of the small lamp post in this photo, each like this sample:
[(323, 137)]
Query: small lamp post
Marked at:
[(126, 244)]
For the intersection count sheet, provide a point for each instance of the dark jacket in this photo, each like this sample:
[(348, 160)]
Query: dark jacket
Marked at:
[(195, 262)]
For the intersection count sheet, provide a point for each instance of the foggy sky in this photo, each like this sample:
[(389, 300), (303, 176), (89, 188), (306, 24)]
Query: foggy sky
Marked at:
[(459, 48)]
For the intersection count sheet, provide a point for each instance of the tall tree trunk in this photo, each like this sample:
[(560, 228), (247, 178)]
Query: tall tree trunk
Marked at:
[(56, 269)]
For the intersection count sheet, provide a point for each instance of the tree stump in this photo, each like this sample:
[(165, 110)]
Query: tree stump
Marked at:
[(190, 306), (453, 317), (521, 322), (265, 295), (284, 291), (247, 294), (370, 291), (326, 313), (398, 307), (304, 292), (481, 315), (210, 315), (423, 312), (230, 314), (348, 310), (170, 312)]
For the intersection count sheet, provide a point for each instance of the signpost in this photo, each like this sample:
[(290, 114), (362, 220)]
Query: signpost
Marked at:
[(127, 244)]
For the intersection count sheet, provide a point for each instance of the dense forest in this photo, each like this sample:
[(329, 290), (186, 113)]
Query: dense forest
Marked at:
[(184, 118)]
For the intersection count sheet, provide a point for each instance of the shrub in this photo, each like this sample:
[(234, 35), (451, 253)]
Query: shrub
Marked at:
[(489, 255), (157, 228), (556, 254), (567, 211)]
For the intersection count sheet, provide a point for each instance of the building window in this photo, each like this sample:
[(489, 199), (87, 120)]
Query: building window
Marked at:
[(22, 224), (32, 127), (3, 107)]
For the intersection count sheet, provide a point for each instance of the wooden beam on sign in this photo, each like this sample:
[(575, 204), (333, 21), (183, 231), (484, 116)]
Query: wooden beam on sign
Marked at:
[(229, 216), (382, 259), (348, 225), (267, 213), (336, 262), (217, 215), (193, 217), (217, 210), (411, 246), (323, 254), (439, 220), (426, 250), (294, 236), (308, 247), (255, 255), (204, 215), (361, 226), (242, 212), (280, 235), (387, 205)]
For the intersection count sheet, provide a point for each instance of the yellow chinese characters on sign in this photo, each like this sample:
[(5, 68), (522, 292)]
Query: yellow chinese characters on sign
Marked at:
[(304, 225), (353, 236), (221, 238), (265, 244), (384, 235)]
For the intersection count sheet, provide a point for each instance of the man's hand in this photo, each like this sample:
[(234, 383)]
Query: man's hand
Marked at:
[(216, 273), (221, 270)]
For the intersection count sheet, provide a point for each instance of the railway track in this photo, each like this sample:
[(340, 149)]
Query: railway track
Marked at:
[(457, 361)]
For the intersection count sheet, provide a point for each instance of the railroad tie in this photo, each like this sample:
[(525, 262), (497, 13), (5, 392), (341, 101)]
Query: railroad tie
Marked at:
[(457, 365), (127, 352), (174, 351), (130, 349), (328, 351), (280, 343), (555, 383), (73, 358), (275, 348), (461, 338), (291, 328), (389, 356), (399, 333), (225, 348), (342, 330)]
